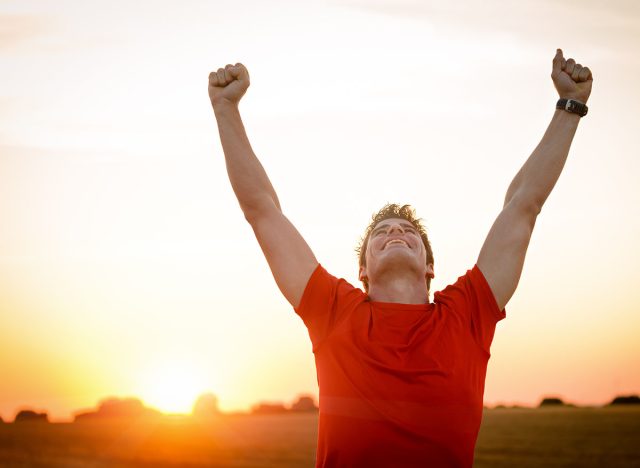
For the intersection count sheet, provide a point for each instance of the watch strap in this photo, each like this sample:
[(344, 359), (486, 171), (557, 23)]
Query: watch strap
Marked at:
[(573, 106)]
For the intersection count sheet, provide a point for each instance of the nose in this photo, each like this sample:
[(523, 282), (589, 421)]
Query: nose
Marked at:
[(395, 227)]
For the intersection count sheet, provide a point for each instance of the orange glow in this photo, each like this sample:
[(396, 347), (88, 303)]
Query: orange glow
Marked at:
[(172, 387), (120, 235)]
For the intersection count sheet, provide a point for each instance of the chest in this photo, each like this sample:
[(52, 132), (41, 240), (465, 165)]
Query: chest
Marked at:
[(412, 358)]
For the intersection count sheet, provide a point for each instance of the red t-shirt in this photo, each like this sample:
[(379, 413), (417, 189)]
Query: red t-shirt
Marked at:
[(401, 385)]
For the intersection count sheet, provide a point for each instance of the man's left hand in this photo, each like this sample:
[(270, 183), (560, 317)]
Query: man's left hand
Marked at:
[(571, 79)]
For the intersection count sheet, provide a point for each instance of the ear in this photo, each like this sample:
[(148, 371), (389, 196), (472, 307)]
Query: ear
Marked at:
[(430, 272), (362, 275)]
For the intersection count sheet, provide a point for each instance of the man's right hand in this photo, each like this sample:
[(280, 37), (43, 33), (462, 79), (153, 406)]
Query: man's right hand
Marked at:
[(228, 84), (571, 79)]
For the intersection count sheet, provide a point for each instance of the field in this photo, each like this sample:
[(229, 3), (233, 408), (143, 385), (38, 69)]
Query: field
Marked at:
[(549, 437)]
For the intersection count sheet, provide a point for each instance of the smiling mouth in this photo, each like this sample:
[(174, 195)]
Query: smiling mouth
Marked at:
[(395, 241)]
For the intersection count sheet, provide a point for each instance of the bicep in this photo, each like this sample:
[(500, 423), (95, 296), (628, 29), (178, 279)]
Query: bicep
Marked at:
[(289, 256), (502, 255)]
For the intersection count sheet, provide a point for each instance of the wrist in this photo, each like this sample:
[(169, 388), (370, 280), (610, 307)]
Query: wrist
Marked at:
[(222, 105), (582, 97)]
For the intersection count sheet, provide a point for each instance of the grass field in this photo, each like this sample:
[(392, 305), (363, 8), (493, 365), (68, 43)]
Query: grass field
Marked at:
[(545, 437)]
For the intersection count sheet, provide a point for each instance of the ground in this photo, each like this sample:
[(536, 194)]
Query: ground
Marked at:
[(550, 437)]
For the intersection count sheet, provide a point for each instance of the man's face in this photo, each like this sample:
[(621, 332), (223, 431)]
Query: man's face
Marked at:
[(395, 244)]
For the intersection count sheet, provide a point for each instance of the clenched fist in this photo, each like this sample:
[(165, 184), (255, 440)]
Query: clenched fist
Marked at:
[(571, 79), (228, 84)]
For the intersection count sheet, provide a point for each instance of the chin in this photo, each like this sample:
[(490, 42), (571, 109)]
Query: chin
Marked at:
[(403, 261)]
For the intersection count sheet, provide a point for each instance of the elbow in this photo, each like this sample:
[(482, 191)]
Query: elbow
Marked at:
[(256, 211), (524, 203), (251, 215), (524, 196)]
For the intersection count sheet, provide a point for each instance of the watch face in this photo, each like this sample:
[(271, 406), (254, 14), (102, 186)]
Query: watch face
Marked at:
[(572, 106), (577, 107)]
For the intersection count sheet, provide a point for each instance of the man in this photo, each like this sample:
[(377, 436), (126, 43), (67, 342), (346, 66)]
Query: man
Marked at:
[(401, 379)]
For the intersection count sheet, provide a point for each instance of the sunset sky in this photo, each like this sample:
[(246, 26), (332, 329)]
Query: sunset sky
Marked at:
[(127, 268)]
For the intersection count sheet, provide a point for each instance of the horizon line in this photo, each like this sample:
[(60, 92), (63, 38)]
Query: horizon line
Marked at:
[(278, 407)]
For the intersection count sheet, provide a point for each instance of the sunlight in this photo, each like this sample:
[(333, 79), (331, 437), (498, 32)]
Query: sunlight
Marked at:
[(173, 387)]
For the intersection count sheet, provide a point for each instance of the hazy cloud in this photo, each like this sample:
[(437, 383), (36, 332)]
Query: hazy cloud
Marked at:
[(18, 28), (615, 21)]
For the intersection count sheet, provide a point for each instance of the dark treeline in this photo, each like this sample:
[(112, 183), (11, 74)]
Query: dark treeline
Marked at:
[(206, 406)]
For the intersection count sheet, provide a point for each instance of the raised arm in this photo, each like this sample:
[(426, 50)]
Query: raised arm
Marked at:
[(289, 257), (502, 256)]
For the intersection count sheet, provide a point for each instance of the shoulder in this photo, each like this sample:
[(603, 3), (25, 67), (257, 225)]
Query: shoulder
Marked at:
[(326, 302), (325, 290), (470, 290)]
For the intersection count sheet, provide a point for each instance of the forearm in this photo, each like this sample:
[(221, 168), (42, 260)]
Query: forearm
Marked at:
[(247, 176), (539, 174)]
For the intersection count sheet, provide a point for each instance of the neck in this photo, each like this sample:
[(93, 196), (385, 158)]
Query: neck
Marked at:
[(401, 290)]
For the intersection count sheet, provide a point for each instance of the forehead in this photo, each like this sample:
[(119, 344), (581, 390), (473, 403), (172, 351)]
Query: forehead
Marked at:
[(390, 221)]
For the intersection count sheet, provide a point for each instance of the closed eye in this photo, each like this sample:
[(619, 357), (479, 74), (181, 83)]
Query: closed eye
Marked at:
[(405, 228)]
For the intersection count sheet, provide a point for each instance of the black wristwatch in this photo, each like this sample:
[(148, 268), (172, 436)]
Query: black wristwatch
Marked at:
[(575, 107)]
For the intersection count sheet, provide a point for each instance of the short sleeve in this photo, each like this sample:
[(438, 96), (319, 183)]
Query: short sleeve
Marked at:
[(325, 302), (471, 298)]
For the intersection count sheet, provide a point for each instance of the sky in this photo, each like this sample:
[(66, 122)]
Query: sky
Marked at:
[(127, 268)]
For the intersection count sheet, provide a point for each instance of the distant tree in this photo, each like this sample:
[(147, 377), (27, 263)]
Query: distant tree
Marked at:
[(127, 407), (304, 403), (118, 408), (552, 401), (206, 406), (31, 416), (269, 408), (626, 400)]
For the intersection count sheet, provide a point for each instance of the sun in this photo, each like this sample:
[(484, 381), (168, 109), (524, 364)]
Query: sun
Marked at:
[(173, 387)]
